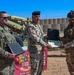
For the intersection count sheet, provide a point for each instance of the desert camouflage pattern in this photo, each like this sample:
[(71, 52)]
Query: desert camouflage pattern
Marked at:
[(69, 33), (35, 47), (6, 64), (69, 44)]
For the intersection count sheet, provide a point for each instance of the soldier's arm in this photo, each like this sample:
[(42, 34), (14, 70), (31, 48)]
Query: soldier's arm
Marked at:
[(69, 44), (68, 31), (6, 54), (42, 42), (42, 37), (65, 39), (3, 53), (34, 36)]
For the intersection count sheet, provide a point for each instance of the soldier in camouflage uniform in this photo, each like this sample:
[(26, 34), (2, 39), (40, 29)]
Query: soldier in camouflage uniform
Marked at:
[(68, 42), (35, 44), (6, 58)]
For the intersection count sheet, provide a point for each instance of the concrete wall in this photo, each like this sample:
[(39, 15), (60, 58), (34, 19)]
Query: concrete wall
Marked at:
[(58, 23)]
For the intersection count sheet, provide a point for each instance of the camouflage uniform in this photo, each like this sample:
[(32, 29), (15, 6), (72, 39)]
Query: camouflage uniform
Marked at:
[(69, 43), (6, 64), (35, 44)]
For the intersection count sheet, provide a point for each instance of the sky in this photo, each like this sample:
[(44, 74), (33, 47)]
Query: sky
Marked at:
[(49, 8)]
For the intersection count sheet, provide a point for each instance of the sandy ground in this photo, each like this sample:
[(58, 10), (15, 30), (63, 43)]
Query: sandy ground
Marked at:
[(56, 63)]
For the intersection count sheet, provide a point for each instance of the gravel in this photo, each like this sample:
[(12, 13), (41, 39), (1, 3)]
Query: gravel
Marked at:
[(56, 63)]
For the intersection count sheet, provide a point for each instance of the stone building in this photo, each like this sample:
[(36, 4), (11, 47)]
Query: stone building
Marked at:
[(58, 23)]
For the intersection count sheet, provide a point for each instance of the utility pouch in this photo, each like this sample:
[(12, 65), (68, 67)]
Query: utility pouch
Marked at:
[(15, 48)]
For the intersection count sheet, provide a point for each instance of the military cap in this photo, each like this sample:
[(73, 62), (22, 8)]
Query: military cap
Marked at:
[(70, 14), (36, 13)]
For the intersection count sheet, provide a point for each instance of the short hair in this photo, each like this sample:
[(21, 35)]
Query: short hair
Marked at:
[(1, 12)]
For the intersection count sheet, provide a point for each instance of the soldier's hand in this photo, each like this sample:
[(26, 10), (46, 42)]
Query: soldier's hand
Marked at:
[(45, 37), (62, 46), (48, 46), (11, 55)]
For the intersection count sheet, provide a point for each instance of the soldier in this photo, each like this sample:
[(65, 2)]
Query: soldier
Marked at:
[(6, 58), (68, 42), (36, 44)]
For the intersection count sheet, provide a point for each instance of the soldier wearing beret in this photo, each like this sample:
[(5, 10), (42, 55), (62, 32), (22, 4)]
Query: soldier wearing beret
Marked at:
[(36, 44), (68, 42)]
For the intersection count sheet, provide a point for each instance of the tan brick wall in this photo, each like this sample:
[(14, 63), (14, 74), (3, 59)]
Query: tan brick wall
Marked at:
[(58, 23)]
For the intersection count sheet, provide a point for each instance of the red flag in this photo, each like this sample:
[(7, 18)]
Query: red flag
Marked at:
[(22, 63), (45, 58)]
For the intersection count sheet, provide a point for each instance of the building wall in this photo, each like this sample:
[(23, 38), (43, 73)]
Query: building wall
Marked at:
[(58, 23)]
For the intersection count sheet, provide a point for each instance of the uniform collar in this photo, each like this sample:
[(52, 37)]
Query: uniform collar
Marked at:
[(35, 24)]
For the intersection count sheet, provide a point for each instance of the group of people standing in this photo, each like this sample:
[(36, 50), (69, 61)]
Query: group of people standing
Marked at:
[(36, 44)]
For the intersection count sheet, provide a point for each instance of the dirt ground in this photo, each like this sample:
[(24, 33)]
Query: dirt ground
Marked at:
[(56, 63)]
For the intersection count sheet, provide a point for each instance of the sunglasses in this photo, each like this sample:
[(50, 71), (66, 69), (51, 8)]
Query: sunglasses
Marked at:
[(5, 17)]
